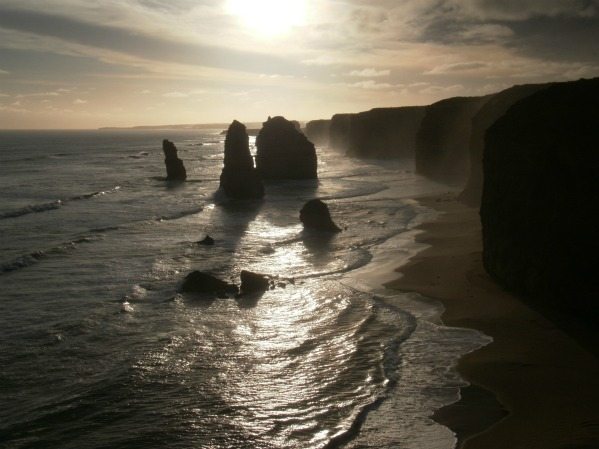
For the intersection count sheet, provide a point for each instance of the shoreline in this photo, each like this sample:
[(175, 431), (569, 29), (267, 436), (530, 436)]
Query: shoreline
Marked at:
[(545, 380)]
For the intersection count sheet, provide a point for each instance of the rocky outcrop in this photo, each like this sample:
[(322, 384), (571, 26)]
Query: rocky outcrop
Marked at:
[(175, 170), (540, 208), (283, 152), (339, 131), (497, 105), (239, 179), (254, 282), (317, 131), (388, 133), (315, 215), (442, 142), (198, 282)]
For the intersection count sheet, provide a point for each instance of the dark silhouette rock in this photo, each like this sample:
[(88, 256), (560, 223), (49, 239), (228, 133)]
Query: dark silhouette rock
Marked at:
[(540, 208), (315, 215), (497, 105), (175, 170), (207, 241), (387, 133), (239, 179), (283, 152), (198, 282), (442, 142), (317, 131), (339, 131), (254, 282)]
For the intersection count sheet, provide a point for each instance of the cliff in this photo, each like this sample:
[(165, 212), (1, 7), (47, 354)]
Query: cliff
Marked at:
[(486, 116), (540, 208), (442, 142), (339, 131), (283, 152), (385, 132), (239, 178), (317, 131)]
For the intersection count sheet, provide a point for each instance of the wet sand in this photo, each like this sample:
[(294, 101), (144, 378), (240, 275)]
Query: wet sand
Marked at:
[(545, 378)]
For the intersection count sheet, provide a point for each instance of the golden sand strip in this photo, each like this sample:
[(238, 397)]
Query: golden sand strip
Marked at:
[(542, 376)]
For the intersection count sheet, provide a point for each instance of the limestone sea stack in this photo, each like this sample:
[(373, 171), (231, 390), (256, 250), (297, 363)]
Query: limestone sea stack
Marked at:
[(540, 208), (175, 170), (283, 152), (315, 215), (239, 179)]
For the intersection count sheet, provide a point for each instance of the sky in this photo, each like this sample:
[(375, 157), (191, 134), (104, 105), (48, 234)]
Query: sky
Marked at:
[(86, 64)]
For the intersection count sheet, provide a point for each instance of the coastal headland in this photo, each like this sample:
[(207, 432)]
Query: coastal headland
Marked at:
[(545, 375)]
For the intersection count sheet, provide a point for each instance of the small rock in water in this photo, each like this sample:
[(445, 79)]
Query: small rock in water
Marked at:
[(198, 282), (315, 214), (126, 307), (254, 282), (206, 241)]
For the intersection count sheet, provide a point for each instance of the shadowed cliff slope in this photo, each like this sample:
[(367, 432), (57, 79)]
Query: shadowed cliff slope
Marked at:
[(385, 132), (492, 110), (339, 131), (443, 139), (540, 208), (317, 131)]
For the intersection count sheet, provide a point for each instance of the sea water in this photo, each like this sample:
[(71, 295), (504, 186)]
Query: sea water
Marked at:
[(98, 350)]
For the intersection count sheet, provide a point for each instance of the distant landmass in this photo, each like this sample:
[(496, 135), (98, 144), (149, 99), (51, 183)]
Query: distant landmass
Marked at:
[(186, 126)]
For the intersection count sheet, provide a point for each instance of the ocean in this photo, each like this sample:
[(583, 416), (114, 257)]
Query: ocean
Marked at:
[(98, 350)]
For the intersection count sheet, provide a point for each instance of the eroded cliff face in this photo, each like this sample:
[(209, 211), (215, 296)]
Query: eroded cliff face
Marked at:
[(540, 202), (317, 131), (283, 152), (385, 132), (339, 131), (492, 110), (442, 142)]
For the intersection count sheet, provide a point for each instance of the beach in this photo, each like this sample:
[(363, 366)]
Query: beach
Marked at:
[(543, 377)]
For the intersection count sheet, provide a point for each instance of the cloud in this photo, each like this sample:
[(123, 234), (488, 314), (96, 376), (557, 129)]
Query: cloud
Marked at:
[(369, 73), (145, 92), (175, 95), (456, 67), (370, 85), (79, 101), (4, 72)]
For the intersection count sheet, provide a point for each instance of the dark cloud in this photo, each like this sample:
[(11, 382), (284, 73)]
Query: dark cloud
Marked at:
[(142, 46)]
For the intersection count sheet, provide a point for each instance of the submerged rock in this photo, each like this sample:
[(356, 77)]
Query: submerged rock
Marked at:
[(283, 152), (540, 209), (207, 241), (175, 170), (239, 179), (315, 215), (198, 282), (254, 282)]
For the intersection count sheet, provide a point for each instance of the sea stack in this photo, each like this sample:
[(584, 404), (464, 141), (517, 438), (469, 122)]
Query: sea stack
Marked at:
[(283, 152), (175, 170), (315, 215), (239, 179), (539, 210)]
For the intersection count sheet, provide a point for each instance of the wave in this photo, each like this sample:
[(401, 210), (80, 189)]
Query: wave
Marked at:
[(57, 204), (31, 209), (34, 257), (180, 214)]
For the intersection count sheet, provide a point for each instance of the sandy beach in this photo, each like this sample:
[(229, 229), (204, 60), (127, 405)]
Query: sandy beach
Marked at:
[(542, 371)]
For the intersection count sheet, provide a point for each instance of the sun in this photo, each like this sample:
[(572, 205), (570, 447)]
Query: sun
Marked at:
[(269, 18)]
